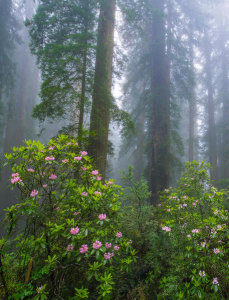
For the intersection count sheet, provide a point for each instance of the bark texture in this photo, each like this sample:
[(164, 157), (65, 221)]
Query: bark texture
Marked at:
[(100, 114), (160, 121)]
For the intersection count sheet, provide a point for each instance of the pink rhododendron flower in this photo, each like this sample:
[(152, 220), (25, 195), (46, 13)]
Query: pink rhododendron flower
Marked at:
[(74, 231), (53, 177), (83, 249), (31, 170), (193, 203), (159, 204), (185, 204), (83, 168), (76, 213), (219, 241), (107, 245), (215, 281), (130, 242), (203, 244), (44, 185), (213, 231), (97, 245), (84, 194), (69, 143), (64, 161), (33, 193), (216, 250), (185, 197), (15, 175), (95, 172), (166, 228), (83, 153), (116, 247), (118, 234), (15, 180), (107, 255), (168, 209), (78, 158), (76, 144), (97, 193), (202, 273), (110, 182), (188, 235), (219, 226), (51, 147), (47, 158), (102, 217), (99, 178), (70, 247), (195, 231)]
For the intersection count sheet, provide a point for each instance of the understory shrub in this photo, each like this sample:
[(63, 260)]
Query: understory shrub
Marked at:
[(193, 218), (63, 238), (182, 244)]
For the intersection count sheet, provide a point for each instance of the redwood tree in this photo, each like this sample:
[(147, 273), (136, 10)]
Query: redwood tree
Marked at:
[(100, 114)]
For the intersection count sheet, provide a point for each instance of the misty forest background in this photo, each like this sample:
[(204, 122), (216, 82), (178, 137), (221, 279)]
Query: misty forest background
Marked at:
[(138, 82), (169, 101)]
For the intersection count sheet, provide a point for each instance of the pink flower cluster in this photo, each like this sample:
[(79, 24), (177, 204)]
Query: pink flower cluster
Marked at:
[(166, 228), (83, 168), (216, 250), (99, 178), (118, 234), (83, 153), (195, 231), (215, 281), (30, 170), (83, 249), (97, 193), (116, 247), (53, 177), (102, 217), (108, 255), (33, 193), (110, 182), (70, 248), (95, 172), (108, 245), (77, 158), (51, 147), (64, 161), (47, 158), (97, 245), (15, 178), (84, 194), (202, 273), (75, 230)]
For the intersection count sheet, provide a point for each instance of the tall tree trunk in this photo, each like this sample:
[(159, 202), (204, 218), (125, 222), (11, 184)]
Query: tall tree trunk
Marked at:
[(225, 97), (160, 122), (211, 111), (192, 101), (84, 74), (100, 114), (192, 115), (139, 162)]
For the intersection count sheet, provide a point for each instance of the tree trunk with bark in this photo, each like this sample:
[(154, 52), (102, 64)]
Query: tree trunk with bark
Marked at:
[(160, 121), (100, 114)]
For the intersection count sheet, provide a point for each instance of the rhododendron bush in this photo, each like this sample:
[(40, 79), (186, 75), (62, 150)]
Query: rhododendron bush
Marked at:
[(63, 238), (193, 218)]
